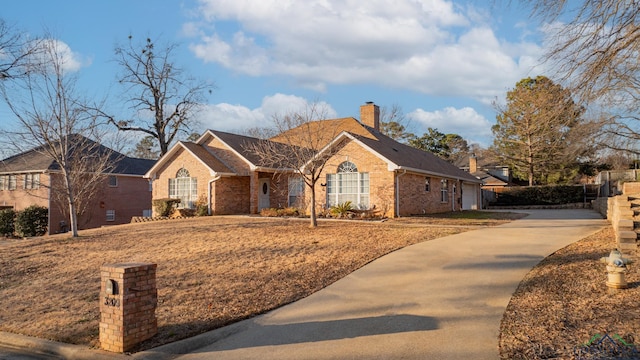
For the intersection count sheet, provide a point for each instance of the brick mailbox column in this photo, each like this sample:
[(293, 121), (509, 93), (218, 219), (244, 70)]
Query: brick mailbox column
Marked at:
[(128, 299)]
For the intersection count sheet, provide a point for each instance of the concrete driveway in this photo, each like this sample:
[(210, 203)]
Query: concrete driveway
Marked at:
[(442, 299)]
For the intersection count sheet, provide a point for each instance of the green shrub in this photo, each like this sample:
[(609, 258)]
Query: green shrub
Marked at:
[(164, 207), (32, 221), (541, 195), (7, 222), (341, 210)]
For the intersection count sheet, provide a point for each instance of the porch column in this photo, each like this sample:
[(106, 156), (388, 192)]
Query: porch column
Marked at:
[(253, 190)]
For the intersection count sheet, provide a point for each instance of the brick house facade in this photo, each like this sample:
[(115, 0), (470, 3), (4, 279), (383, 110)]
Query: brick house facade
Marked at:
[(26, 179), (364, 166)]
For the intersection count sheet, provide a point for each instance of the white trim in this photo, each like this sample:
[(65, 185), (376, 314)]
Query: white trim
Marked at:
[(165, 158)]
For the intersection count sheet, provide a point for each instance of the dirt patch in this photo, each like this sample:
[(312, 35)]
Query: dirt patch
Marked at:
[(564, 302), (212, 271)]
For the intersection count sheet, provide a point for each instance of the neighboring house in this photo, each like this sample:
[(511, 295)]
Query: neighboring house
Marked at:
[(495, 179), (365, 167), (26, 179)]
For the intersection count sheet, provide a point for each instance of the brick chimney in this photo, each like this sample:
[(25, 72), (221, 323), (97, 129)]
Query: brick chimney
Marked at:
[(370, 115), (473, 163)]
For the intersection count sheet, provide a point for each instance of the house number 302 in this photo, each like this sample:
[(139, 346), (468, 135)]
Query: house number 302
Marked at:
[(111, 301)]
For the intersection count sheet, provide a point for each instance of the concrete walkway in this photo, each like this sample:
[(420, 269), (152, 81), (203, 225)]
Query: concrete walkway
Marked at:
[(442, 299)]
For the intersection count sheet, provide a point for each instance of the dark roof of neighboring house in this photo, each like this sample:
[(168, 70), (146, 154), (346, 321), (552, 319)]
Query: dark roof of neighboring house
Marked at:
[(489, 180), (37, 160)]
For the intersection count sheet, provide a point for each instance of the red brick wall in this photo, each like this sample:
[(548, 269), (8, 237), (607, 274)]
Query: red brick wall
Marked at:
[(416, 200), (231, 195), (21, 198), (128, 199)]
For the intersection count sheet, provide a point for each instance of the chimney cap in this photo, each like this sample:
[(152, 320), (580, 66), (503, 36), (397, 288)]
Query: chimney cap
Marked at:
[(369, 102)]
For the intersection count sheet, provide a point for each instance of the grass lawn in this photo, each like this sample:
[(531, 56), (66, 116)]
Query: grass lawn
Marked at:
[(211, 270)]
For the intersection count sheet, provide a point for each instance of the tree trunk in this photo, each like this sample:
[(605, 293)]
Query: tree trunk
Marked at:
[(314, 221), (73, 215)]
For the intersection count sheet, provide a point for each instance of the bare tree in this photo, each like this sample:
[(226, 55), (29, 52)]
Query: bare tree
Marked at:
[(163, 98), (297, 148), (16, 48), (596, 54), (52, 119)]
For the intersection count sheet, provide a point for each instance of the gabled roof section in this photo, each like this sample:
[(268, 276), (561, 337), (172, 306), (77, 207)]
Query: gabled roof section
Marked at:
[(322, 132), (241, 145), (405, 157), (215, 166), (37, 160), (399, 156)]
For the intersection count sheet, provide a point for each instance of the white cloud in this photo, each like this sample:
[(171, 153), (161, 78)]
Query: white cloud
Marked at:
[(237, 118), (430, 46), (465, 122), (57, 50)]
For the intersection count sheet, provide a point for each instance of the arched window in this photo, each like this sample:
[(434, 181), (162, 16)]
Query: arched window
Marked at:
[(347, 167), (185, 188), (182, 173), (347, 184)]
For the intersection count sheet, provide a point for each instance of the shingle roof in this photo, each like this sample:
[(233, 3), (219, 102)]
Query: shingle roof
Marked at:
[(409, 157), (243, 145), (37, 160), (401, 155), (206, 157), (322, 131)]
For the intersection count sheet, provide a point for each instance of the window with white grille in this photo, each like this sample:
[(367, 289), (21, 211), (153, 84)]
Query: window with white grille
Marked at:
[(185, 188), (348, 185)]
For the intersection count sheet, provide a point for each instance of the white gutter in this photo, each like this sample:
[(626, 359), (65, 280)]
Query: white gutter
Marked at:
[(209, 192), (433, 173), (398, 192)]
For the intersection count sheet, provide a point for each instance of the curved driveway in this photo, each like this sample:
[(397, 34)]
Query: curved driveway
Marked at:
[(441, 299)]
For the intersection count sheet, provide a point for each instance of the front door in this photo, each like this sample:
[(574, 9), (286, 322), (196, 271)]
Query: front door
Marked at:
[(263, 194)]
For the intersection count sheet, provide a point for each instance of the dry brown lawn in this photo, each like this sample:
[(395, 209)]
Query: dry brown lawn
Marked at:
[(211, 271), (564, 301)]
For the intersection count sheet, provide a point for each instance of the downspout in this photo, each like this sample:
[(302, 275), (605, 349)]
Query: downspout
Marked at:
[(398, 192), (209, 195)]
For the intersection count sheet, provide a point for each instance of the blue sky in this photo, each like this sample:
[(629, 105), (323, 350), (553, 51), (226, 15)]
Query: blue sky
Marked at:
[(442, 62)]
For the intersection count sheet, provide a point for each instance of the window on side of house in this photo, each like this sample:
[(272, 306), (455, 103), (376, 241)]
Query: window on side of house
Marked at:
[(427, 184), (113, 181), (111, 215), (3, 182), (185, 188), (347, 184), (31, 181), (444, 190), (296, 190), (13, 182)]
